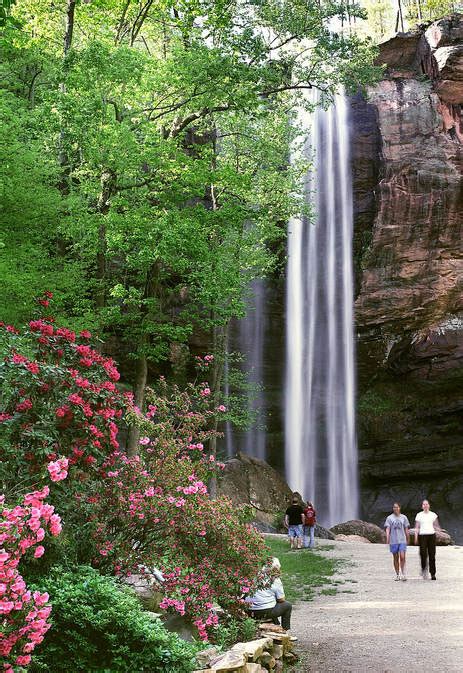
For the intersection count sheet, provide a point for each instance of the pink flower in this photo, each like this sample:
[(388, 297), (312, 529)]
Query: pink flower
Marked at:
[(25, 659), (144, 440), (55, 525), (25, 405), (40, 551), (205, 392), (58, 469)]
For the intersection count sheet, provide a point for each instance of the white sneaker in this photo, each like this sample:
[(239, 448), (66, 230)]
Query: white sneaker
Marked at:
[(424, 574), (397, 578), (403, 578)]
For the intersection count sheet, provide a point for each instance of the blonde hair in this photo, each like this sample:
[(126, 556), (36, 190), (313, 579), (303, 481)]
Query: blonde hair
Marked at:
[(273, 564)]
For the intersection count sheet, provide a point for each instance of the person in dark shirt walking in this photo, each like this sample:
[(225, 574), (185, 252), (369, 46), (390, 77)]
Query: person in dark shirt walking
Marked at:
[(294, 522)]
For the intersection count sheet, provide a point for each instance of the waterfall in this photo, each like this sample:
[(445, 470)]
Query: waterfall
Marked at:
[(247, 338), (251, 344), (320, 438)]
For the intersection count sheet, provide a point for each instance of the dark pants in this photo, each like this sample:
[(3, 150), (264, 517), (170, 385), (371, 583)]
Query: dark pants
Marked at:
[(428, 550), (282, 610)]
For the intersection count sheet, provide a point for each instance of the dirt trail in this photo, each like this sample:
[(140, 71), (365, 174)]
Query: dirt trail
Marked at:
[(385, 626)]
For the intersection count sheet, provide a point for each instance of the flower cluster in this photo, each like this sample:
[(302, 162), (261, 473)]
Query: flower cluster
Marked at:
[(161, 494), (58, 469), (61, 419), (61, 395), (24, 614), (204, 363)]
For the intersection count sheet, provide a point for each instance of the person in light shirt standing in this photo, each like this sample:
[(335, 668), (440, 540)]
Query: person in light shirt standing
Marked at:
[(426, 524), (398, 537)]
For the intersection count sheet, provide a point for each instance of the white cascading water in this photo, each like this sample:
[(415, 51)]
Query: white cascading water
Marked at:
[(251, 344), (248, 339), (320, 437)]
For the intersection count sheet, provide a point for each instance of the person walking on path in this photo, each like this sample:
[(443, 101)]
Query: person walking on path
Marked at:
[(270, 602), (294, 521), (426, 524), (398, 537), (310, 519)]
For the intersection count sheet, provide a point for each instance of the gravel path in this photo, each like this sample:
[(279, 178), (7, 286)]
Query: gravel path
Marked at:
[(385, 626)]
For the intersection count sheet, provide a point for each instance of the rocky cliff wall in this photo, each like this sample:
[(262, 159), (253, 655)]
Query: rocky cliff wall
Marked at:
[(408, 181)]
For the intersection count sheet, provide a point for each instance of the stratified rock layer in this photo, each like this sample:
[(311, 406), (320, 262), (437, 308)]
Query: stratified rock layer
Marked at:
[(409, 306)]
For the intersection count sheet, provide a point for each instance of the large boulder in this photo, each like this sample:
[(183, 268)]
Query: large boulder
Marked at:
[(443, 539), (250, 481), (323, 533), (352, 538), (370, 531)]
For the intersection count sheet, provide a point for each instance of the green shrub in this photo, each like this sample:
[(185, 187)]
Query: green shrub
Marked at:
[(97, 625), (231, 631)]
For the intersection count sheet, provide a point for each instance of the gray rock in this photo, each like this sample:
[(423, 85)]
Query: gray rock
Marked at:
[(443, 539), (370, 531), (323, 533), (250, 481)]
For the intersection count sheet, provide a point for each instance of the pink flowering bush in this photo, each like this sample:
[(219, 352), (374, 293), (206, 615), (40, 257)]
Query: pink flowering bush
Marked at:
[(60, 418), (59, 403), (23, 614), (162, 514)]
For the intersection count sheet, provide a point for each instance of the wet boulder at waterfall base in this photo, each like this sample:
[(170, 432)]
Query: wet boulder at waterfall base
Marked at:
[(369, 531)]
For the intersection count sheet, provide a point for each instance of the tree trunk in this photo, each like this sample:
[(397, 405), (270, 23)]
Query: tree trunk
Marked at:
[(63, 157), (400, 16), (219, 342), (108, 189), (141, 375)]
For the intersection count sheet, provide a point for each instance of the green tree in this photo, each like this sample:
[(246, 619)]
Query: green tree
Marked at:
[(165, 125), (380, 18), (429, 10)]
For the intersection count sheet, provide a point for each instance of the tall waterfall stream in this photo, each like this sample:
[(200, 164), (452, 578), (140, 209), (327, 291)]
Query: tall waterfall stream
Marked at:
[(320, 437)]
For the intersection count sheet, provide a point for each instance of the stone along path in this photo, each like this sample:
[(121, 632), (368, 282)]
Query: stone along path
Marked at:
[(384, 626)]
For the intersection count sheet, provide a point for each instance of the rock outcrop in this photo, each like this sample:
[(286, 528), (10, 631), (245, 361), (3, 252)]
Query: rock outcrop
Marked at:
[(409, 258), (357, 528), (250, 481)]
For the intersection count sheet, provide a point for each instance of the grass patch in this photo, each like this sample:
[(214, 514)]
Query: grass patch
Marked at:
[(304, 571), (329, 592)]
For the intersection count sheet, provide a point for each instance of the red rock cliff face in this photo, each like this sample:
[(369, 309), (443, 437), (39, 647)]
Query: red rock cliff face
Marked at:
[(409, 253)]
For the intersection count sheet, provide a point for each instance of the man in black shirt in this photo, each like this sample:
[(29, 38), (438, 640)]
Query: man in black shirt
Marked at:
[(294, 521)]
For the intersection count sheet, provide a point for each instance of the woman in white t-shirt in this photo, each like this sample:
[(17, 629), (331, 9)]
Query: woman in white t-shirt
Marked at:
[(426, 524), (270, 602)]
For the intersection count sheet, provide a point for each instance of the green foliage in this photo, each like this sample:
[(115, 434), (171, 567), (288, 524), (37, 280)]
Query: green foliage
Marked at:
[(429, 10), (304, 571), (381, 18), (372, 402), (97, 625), (232, 630), (147, 174), (382, 15)]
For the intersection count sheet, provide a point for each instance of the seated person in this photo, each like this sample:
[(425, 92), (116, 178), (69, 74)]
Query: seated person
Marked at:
[(270, 603)]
